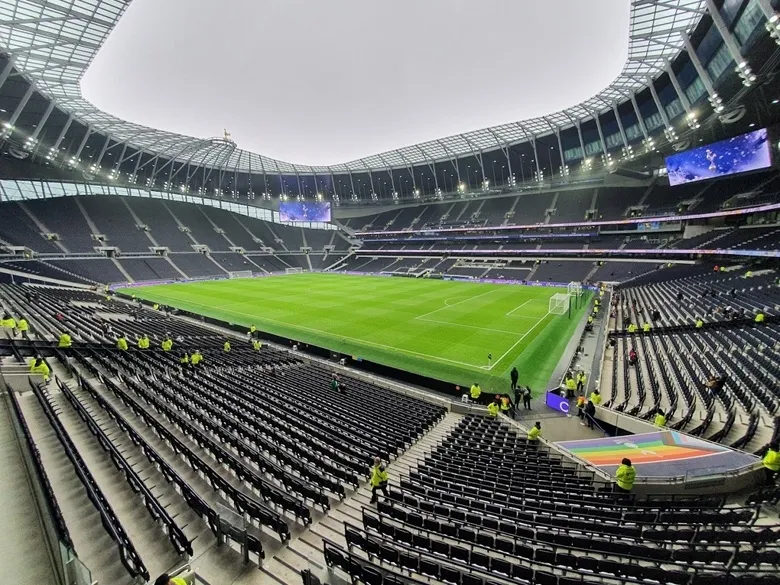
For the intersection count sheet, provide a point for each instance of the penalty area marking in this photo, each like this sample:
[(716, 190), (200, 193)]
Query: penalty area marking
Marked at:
[(447, 306)]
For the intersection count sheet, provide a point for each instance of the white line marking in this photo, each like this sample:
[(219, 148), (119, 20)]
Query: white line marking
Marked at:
[(446, 306), (495, 363), (467, 326), (331, 336), (518, 306)]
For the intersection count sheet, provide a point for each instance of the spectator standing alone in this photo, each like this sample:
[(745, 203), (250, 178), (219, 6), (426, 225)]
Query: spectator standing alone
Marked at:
[(514, 376), (590, 413), (379, 479), (526, 398)]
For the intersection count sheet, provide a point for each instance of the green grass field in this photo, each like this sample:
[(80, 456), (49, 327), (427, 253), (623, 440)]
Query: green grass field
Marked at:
[(443, 329)]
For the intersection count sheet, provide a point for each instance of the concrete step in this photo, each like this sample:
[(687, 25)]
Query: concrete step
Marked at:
[(92, 543)]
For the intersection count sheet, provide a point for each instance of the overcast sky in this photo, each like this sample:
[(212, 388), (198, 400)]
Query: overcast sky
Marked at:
[(327, 81)]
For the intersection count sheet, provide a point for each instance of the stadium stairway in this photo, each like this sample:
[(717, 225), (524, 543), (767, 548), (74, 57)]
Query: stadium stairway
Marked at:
[(331, 527), (22, 549)]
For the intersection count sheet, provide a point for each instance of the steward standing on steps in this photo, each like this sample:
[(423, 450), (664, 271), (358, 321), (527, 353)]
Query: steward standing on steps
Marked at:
[(196, 357), (38, 366), (22, 326), (9, 322), (167, 344), (379, 479), (65, 340), (493, 409), (121, 343), (226, 346)]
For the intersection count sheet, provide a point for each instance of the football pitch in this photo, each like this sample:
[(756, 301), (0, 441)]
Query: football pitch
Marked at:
[(442, 329)]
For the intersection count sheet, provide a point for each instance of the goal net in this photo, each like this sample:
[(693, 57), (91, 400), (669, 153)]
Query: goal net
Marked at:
[(293, 270), (240, 274), (559, 304), (575, 288)]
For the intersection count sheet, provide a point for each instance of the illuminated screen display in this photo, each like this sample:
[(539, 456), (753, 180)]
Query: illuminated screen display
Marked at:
[(555, 402), (304, 211), (747, 152)]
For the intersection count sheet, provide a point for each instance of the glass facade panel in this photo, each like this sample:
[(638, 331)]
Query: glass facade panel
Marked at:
[(720, 62), (751, 19)]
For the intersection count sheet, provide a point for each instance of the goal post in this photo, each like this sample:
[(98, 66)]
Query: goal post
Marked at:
[(575, 292), (293, 270), (240, 274), (559, 304)]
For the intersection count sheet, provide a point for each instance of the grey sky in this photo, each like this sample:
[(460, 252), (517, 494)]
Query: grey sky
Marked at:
[(322, 82)]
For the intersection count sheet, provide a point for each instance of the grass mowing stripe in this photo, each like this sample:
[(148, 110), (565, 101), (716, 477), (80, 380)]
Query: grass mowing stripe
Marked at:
[(384, 320)]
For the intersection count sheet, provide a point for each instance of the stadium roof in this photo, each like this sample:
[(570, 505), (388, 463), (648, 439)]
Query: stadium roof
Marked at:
[(53, 42)]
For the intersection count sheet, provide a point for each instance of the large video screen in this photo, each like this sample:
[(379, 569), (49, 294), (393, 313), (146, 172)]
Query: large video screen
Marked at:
[(304, 211), (747, 152)]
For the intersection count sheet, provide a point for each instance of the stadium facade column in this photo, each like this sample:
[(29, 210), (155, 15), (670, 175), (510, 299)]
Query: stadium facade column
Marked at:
[(626, 147), (640, 120), (354, 196), (680, 93), (595, 115), (505, 149), (670, 133), (63, 132), (6, 72), (22, 103), (704, 75), (410, 167), (42, 120), (453, 161), (476, 156), (579, 135), (389, 172), (564, 168), (87, 134), (103, 151), (731, 44)]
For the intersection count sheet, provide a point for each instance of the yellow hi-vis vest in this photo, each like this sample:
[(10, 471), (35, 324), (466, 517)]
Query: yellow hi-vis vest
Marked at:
[(625, 475), (772, 460)]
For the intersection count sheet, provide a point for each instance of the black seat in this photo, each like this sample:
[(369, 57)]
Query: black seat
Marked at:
[(450, 575), (505, 545), (372, 575), (440, 547), (459, 553), (409, 562), (388, 554), (429, 568), (421, 541), (501, 566), (479, 559)]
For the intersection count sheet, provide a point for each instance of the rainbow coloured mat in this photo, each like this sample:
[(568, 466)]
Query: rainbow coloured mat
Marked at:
[(660, 454)]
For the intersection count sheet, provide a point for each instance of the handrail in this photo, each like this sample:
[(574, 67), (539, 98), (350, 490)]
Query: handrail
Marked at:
[(128, 555)]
